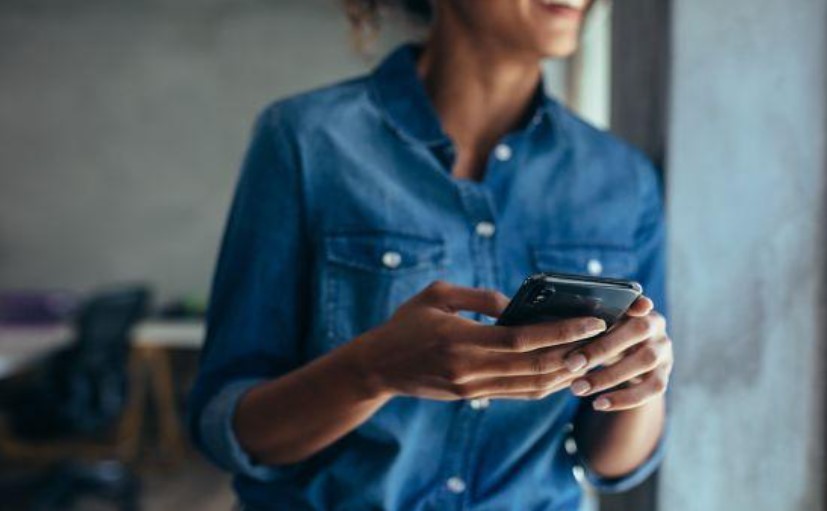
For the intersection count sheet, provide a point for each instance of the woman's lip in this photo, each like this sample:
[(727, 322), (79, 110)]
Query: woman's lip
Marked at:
[(560, 10)]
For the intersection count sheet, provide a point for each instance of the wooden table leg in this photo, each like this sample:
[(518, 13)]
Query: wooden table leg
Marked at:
[(159, 371)]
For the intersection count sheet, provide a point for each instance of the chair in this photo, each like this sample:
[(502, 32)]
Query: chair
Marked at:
[(81, 407)]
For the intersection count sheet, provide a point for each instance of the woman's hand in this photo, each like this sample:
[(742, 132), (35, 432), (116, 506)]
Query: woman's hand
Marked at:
[(427, 350), (637, 355)]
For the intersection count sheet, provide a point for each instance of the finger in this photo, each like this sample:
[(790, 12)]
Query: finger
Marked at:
[(629, 332), (452, 298), (541, 335), (644, 358), (652, 385), (561, 385), (491, 364), (550, 382), (641, 307)]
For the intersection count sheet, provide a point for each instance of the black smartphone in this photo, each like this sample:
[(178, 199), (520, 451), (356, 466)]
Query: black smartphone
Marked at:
[(555, 296)]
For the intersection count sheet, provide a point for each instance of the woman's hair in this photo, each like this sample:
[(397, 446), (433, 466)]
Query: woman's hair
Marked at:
[(365, 16)]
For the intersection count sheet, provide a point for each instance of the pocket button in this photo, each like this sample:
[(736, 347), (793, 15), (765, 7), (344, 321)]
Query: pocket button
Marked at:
[(479, 404), (594, 267), (485, 229), (391, 259)]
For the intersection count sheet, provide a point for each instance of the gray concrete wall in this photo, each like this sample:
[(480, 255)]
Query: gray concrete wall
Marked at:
[(746, 171), (122, 125)]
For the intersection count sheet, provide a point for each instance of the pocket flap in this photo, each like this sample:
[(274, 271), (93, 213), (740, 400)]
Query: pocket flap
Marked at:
[(606, 261), (385, 252)]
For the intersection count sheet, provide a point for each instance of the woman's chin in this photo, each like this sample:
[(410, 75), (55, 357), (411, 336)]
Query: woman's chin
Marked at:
[(558, 48)]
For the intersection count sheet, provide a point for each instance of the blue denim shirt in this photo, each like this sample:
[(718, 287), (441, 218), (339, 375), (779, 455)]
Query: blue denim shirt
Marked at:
[(346, 207)]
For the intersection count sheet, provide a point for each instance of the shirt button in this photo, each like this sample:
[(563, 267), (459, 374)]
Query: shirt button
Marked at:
[(455, 484), (485, 229), (391, 259), (537, 119), (502, 152), (594, 267), (579, 474), (570, 445), (479, 404)]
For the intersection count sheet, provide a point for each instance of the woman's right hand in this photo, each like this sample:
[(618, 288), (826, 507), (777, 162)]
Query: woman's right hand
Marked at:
[(427, 350)]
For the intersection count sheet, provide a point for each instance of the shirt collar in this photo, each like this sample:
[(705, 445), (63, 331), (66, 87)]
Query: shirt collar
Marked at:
[(402, 99)]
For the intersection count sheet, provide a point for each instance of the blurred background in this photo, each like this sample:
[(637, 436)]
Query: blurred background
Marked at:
[(122, 127)]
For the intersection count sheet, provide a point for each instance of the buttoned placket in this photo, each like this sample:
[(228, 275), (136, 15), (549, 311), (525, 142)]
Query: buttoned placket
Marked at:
[(479, 208)]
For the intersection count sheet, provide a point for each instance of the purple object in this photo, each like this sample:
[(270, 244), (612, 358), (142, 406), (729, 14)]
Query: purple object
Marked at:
[(35, 308)]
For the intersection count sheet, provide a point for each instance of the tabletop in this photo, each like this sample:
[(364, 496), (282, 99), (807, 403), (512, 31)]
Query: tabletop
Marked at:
[(21, 346)]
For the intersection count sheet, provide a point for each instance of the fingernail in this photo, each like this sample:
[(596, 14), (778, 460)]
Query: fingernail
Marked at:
[(580, 387), (575, 362), (601, 403), (594, 326)]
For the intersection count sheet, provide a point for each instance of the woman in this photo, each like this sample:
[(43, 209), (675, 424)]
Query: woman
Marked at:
[(378, 226)]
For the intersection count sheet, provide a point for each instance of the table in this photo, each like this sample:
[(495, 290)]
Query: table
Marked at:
[(181, 334), (152, 341), (22, 347)]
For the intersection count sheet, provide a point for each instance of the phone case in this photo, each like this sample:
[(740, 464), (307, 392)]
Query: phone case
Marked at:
[(554, 296)]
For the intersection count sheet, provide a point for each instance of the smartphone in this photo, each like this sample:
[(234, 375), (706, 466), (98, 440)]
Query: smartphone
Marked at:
[(555, 296)]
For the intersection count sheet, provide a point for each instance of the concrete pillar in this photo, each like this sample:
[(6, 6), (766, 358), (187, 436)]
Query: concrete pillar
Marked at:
[(746, 172)]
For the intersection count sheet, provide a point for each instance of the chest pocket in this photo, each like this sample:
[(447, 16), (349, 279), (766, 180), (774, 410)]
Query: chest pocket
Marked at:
[(367, 276), (597, 261)]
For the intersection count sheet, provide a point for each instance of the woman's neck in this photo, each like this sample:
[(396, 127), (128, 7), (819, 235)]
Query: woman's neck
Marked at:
[(479, 90)]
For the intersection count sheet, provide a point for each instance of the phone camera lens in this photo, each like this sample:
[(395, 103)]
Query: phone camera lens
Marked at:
[(542, 295)]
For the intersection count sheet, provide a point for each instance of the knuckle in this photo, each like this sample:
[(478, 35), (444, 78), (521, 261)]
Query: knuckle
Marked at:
[(500, 385), (659, 385), (641, 326), (436, 289), (491, 297), (454, 371), (649, 355), (599, 380), (517, 339), (659, 320), (546, 381), (506, 385), (596, 351), (539, 364), (568, 330), (539, 382), (554, 360)]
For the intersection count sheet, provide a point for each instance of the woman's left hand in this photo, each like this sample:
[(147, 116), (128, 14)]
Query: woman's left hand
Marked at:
[(637, 361)]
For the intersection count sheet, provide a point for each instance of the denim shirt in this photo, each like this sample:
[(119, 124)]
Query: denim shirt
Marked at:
[(346, 207)]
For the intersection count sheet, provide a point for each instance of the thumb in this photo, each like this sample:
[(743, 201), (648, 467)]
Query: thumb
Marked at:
[(452, 298)]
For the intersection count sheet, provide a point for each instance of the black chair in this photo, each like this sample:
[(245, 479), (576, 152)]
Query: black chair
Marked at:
[(79, 397)]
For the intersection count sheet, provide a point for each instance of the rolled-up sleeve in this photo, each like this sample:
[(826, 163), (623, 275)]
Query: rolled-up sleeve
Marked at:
[(257, 313), (217, 432), (631, 479)]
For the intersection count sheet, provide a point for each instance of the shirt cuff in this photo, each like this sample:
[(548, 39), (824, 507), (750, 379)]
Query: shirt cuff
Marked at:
[(627, 481), (220, 439)]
